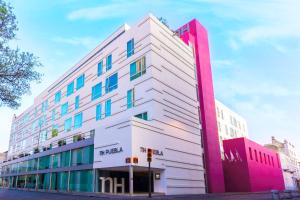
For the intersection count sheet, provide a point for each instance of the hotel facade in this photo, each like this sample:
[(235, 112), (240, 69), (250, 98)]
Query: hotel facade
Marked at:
[(143, 87)]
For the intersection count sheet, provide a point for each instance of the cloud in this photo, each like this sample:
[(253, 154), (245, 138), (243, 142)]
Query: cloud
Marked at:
[(87, 42), (258, 21)]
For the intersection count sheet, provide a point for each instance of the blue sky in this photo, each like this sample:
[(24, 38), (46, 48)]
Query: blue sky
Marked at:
[(255, 50)]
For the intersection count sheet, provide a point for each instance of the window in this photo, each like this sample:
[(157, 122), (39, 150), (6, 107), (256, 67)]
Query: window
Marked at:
[(111, 83), (137, 68), (108, 62), (255, 152), (83, 156), (80, 82), (44, 106), (250, 153), (143, 116), (77, 99), (97, 91), (260, 157), (43, 136), (68, 124), (108, 108), (53, 115), (78, 120), (130, 48), (130, 98), (70, 88), (64, 109), (100, 68), (98, 112)]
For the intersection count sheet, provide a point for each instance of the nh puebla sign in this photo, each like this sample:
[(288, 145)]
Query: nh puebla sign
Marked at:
[(110, 151), (154, 151)]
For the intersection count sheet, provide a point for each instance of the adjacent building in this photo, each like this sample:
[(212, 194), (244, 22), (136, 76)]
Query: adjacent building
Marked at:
[(143, 87), (289, 162), (230, 124), (250, 167), (3, 156)]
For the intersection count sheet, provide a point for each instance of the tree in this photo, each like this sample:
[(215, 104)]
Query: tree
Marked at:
[(17, 68)]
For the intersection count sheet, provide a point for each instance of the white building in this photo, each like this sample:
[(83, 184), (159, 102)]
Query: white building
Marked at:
[(88, 131), (289, 162), (230, 124)]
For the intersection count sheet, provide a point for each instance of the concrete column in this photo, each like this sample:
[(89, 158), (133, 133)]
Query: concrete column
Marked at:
[(94, 180), (50, 181), (131, 180)]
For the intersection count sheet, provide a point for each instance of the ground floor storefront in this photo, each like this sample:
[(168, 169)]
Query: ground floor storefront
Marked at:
[(124, 180)]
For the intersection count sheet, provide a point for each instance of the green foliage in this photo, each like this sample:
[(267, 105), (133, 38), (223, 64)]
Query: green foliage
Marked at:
[(54, 132), (17, 68)]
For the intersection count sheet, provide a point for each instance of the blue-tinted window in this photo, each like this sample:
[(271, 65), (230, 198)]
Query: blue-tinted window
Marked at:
[(77, 99), (68, 124), (111, 83), (137, 68), (64, 109), (98, 111), (57, 97), (44, 106), (78, 120), (97, 91), (108, 62), (80, 82), (53, 115), (100, 68), (130, 98), (143, 116), (130, 48), (70, 88), (108, 108)]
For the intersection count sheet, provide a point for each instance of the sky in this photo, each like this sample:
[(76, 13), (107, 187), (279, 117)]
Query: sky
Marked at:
[(254, 46)]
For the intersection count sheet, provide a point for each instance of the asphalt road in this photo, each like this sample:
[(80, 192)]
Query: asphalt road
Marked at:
[(10, 194)]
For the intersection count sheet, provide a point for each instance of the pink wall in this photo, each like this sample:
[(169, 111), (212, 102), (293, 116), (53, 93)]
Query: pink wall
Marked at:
[(193, 32), (246, 173)]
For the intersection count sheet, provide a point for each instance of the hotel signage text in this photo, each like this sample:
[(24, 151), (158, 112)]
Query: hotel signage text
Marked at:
[(111, 151)]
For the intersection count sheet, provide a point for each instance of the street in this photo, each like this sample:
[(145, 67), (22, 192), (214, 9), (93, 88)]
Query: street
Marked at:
[(8, 194)]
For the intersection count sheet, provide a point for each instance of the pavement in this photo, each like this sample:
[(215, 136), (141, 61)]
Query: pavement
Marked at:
[(12, 194)]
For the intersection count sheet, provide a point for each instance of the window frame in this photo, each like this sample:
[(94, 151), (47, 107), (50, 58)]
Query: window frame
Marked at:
[(78, 116), (108, 62), (100, 68), (137, 68), (79, 84), (98, 112), (62, 113), (131, 99), (70, 88), (130, 47), (108, 87), (77, 102), (69, 120), (94, 96), (108, 107)]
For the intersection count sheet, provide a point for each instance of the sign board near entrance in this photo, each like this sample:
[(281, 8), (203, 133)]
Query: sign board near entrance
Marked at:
[(110, 151), (154, 151)]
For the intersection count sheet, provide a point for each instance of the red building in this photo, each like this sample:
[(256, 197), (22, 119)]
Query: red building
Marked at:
[(250, 167)]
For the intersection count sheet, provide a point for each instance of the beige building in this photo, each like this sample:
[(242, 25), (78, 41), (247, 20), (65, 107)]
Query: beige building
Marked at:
[(3, 156), (230, 124), (289, 162)]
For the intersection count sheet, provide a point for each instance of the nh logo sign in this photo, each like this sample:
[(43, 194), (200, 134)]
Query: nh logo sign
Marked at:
[(113, 184)]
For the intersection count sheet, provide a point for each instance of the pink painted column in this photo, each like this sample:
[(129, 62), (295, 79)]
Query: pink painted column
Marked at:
[(194, 33)]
